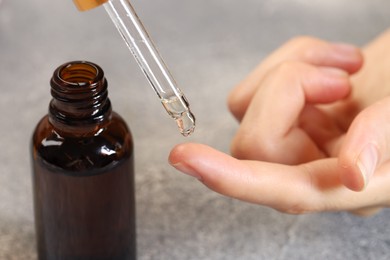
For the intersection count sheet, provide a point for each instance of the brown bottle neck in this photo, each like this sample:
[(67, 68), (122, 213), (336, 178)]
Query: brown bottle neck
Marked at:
[(80, 98)]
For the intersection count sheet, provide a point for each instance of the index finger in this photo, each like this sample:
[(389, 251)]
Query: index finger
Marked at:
[(311, 187), (285, 188)]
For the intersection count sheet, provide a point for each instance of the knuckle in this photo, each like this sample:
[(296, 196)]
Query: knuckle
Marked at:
[(290, 69), (308, 49)]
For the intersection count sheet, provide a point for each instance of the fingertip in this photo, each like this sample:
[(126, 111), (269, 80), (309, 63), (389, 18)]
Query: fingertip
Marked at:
[(199, 161), (335, 85), (363, 148), (215, 169), (176, 153), (179, 159), (349, 56), (188, 152), (352, 179), (353, 173)]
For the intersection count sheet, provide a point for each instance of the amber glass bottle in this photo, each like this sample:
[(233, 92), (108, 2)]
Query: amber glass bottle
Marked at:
[(82, 160)]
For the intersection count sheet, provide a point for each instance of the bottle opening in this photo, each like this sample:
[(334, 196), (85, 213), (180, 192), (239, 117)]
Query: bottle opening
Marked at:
[(79, 73), (80, 96)]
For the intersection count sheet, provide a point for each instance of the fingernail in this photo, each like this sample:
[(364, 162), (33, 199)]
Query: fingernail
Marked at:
[(184, 168), (345, 48), (367, 162)]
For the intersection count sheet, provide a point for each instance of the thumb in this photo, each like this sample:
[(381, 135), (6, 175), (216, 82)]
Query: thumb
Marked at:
[(366, 145)]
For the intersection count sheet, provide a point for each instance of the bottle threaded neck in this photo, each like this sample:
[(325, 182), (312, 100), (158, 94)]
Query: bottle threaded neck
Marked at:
[(80, 96)]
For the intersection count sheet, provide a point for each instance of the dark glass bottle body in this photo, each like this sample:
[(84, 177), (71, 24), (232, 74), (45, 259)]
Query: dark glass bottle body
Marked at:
[(83, 179)]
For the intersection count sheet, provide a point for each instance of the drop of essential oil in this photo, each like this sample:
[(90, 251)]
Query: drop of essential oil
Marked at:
[(177, 108), (186, 123)]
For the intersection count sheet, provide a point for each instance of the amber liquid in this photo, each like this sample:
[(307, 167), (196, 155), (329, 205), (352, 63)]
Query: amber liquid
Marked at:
[(84, 193)]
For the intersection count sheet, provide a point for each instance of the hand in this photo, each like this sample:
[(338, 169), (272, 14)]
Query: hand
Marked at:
[(295, 109)]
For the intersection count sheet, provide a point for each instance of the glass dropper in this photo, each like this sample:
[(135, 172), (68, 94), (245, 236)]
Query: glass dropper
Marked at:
[(148, 58)]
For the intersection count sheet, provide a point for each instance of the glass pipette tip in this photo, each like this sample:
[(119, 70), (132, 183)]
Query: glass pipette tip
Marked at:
[(152, 65)]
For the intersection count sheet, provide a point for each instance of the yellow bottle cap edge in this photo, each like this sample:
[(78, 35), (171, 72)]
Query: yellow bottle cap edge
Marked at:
[(84, 5)]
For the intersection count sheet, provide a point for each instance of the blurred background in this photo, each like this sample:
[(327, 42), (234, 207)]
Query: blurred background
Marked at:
[(209, 45)]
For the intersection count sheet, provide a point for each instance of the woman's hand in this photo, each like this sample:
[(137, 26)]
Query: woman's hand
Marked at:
[(304, 140)]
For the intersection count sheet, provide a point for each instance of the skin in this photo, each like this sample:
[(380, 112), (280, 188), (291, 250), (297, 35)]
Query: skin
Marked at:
[(314, 131)]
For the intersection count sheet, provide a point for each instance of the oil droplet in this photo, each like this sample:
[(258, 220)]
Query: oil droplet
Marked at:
[(177, 108), (186, 123)]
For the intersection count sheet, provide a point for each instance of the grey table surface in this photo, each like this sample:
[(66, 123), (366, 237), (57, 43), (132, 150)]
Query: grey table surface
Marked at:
[(210, 45)]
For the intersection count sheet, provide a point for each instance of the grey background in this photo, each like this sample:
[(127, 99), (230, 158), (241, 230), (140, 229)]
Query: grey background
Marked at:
[(210, 45)]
